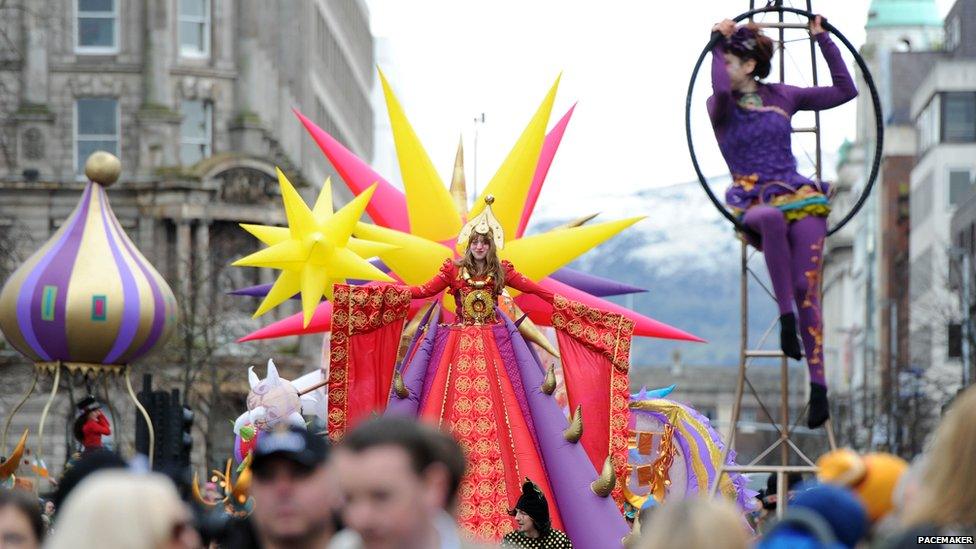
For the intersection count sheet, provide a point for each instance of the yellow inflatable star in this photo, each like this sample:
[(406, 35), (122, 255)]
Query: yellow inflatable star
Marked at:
[(316, 250), (436, 213)]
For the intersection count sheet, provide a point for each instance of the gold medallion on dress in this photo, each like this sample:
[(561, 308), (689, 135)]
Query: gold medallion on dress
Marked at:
[(479, 306)]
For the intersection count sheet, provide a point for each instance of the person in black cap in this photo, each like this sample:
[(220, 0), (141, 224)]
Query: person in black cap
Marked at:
[(91, 424), (769, 498), (534, 527), (293, 488)]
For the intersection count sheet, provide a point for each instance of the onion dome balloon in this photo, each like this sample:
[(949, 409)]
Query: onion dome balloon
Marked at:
[(88, 296)]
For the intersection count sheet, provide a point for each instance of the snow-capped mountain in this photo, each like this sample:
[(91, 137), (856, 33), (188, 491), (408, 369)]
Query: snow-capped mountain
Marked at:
[(687, 257)]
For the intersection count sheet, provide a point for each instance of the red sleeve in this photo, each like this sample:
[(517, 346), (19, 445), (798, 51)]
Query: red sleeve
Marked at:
[(103, 421), (522, 283), (98, 427), (437, 284)]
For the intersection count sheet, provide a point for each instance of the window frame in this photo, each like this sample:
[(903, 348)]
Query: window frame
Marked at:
[(921, 205), (948, 181), (953, 33), (101, 137), (97, 50), (208, 111), (943, 96), (926, 136), (206, 20)]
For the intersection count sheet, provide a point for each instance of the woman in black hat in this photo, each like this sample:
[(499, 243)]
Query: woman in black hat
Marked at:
[(91, 424), (534, 528)]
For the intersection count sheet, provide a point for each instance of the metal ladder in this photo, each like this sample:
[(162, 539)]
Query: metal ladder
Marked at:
[(782, 425)]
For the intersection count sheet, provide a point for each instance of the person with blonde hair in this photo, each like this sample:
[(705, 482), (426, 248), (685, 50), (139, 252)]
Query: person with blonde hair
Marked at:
[(945, 501), (695, 523), (122, 510)]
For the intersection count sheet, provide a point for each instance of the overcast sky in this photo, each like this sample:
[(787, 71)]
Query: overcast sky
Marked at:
[(626, 63)]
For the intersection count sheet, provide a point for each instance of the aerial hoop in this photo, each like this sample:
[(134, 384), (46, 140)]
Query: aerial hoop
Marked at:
[(868, 80)]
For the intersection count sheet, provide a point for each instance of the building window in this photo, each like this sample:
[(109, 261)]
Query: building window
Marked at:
[(921, 346), (196, 131), (952, 32), (920, 204), (920, 277), (927, 125), (960, 184), (96, 128), (195, 28), (97, 26), (958, 117)]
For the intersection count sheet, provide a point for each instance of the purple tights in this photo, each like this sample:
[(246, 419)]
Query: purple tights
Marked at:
[(793, 252)]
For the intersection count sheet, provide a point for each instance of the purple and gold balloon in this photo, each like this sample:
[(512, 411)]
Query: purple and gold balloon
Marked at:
[(88, 295)]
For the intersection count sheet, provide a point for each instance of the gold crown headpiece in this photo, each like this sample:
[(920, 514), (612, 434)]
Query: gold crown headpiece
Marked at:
[(483, 223)]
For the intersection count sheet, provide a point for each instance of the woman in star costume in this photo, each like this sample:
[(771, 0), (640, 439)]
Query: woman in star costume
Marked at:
[(479, 379), (785, 213)]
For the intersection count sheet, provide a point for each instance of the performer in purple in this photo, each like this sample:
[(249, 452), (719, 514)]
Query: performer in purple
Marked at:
[(785, 213)]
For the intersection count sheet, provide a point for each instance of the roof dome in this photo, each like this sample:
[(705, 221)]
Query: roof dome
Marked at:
[(88, 295), (903, 13)]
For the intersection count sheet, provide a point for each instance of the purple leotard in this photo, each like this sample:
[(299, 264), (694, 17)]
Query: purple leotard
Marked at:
[(756, 144), (758, 140)]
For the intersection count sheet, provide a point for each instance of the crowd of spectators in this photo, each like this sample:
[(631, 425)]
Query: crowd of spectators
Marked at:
[(393, 483)]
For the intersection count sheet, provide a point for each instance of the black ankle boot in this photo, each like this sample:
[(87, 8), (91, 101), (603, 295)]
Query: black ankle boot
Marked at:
[(819, 410), (788, 340)]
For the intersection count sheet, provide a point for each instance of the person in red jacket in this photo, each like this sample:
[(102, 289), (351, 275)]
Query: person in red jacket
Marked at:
[(91, 424)]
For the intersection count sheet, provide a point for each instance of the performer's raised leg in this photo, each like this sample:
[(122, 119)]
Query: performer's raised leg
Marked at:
[(771, 227), (806, 238)]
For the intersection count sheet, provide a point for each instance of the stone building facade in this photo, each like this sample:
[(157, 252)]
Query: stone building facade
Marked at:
[(866, 305), (892, 314), (943, 108), (196, 99)]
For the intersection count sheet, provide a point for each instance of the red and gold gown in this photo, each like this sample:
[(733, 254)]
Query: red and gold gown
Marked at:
[(479, 379)]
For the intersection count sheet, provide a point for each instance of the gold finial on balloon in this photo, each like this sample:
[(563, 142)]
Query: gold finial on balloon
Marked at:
[(575, 430), (103, 168), (606, 482), (400, 388), (549, 384), (459, 190)]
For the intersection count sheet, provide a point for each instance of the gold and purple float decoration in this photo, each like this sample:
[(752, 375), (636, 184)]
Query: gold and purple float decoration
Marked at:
[(674, 452), (87, 302)]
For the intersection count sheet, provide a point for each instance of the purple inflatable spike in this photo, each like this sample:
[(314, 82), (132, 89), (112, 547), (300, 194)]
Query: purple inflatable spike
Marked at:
[(592, 284), (591, 522)]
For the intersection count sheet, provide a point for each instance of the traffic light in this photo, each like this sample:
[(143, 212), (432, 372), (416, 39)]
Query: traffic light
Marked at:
[(172, 424), (173, 432), (186, 443), (156, 404)]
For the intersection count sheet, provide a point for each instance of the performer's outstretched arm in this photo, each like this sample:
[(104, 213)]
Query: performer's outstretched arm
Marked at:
[(437, 284), (523, 283), (842, 88), (721, 100)]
